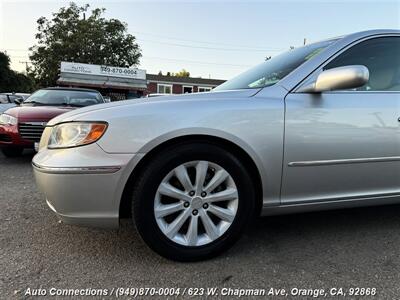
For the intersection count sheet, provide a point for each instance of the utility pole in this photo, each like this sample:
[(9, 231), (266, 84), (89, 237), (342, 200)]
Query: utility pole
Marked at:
[(26, 64)]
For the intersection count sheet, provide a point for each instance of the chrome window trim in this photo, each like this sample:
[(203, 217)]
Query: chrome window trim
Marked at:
[(361, 92)]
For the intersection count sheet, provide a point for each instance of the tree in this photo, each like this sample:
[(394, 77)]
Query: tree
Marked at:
[(11, 81), (182, 73), (76, 34)]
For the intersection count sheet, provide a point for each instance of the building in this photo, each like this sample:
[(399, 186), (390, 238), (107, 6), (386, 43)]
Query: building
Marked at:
[(114, 82), (127, 83), (179, 85)]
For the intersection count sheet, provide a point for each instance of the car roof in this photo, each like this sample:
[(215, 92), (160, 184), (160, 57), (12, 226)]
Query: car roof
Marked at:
[(71, 89), (12, 93), (367, 33), (359, 35)]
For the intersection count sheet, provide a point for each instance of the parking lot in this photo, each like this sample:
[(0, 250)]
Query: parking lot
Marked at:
[(358, 248)]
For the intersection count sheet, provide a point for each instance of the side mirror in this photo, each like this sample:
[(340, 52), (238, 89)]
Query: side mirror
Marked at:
[(18, 101), (341, 78)]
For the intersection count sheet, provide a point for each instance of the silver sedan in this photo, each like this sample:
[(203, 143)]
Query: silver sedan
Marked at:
[(314, 128)]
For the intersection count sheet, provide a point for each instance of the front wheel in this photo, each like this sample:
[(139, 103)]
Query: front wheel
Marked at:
[(193, 201), (12, 151)]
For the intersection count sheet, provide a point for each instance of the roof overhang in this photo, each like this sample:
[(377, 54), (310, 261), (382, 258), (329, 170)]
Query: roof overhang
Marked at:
[(95, 81)]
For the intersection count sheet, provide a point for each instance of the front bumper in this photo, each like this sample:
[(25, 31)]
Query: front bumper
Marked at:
[(10, 137), (83, 185)]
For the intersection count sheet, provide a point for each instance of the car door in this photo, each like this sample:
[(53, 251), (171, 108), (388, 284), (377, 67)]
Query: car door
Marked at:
[(346, 144)]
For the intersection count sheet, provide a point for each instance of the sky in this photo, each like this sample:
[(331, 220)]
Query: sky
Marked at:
[(211, 39)]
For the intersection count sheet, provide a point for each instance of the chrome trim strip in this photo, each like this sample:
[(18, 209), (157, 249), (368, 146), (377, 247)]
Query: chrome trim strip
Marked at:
[(342, 161), (34, 123), (334, 203), (343, 198), (77, 170)]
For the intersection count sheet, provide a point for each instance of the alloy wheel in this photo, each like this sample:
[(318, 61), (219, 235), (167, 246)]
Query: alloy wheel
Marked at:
[(196, 203)]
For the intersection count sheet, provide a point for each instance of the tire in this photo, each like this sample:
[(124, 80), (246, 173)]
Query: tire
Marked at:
[(146, 192), (12, 151)]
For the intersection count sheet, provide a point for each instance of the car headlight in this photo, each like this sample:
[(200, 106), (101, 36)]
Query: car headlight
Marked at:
[(74, 134), (8, 120)]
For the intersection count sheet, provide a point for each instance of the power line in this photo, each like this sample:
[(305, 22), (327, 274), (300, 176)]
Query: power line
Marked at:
[(9, 49), (185, 46), (208, 48), (235, 47), (19, 56), (174, 60), (195, 61), (209, 43)]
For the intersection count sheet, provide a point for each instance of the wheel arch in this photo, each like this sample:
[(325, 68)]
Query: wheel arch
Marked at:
[(248, 161)]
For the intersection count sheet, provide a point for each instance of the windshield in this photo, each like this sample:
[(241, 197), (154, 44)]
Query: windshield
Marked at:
[(64, 97), (274, 69)]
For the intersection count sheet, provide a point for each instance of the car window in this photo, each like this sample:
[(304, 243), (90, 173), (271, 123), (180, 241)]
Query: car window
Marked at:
[(3, 99), (276, 68), (382, 58), (14, 97), (65, 97)]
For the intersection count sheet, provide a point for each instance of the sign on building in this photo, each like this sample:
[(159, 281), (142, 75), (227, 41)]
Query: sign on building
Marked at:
[(78, 68)]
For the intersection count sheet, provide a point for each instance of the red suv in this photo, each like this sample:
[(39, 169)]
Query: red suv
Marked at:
[(21, 127)]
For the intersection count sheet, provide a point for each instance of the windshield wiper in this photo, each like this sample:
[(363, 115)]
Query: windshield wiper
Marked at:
[(34, 102), (70, 104)]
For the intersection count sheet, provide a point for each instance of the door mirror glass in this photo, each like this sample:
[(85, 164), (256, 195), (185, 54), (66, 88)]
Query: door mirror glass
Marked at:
[(341, 78)]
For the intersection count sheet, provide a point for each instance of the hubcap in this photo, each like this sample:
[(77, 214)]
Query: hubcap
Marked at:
[(196, 203)]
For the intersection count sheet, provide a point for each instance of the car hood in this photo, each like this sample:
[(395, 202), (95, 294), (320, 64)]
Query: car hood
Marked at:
[(219, 95), (37, 113), (4, 107)]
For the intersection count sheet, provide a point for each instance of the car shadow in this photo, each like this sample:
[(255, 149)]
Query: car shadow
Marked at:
[(277, 239), (320, 234), (26, 157)]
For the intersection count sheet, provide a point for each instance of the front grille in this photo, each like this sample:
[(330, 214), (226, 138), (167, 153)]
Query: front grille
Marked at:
[(31, 131), (5, 138)]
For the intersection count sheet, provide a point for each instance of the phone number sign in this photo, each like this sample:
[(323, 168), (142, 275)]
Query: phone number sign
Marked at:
[(79, 68)]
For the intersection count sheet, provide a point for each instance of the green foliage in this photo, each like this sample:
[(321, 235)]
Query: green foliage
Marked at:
[(78, 35), (11, 81), (182, 73)]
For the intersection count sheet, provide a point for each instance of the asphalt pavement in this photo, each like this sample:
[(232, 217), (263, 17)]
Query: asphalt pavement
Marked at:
[(357, 248)]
